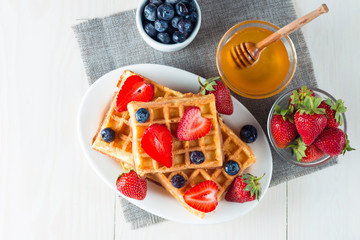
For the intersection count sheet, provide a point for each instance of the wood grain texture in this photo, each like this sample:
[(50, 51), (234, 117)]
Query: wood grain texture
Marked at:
[(325, 205), (49, 191)]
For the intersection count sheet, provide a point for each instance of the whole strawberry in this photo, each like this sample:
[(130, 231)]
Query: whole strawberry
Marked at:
[(244, 188), (333, 112), (282, 127), (310, 120), (305, 153), (129, 184), (222, 94), (333, 141)]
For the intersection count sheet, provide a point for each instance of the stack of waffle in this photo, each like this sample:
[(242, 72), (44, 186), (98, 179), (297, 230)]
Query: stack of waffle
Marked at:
[(167, 107)]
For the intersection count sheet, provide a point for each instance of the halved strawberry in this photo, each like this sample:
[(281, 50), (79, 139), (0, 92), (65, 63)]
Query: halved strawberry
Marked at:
[(203, 196), (134, 89), (157, 143), (192, 125)]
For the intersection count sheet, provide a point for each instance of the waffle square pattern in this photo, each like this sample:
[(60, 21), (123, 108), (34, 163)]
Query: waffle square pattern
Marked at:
[(121, 148), (168, 112)]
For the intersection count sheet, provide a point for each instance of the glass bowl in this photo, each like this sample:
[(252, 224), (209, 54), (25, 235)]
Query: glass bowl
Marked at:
[(286, 41), (285, 153)]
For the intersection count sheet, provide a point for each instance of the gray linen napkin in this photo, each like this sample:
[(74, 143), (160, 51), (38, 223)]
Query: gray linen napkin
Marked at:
[(112, 42)]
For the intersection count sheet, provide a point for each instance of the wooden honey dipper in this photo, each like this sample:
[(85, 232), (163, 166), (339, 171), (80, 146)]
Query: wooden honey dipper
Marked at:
[(247, 53)]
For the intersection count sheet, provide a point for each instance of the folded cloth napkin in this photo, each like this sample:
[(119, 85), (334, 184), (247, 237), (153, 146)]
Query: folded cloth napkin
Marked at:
[(112, 42)]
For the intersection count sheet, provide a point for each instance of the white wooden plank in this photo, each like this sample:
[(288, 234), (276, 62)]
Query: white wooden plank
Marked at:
[(325, 205), (48, 190)]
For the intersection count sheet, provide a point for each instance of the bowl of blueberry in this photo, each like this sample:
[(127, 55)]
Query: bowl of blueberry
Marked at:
[(168, 25)]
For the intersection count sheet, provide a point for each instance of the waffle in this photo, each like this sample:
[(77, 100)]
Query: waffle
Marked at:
[(169, 112), (121, 148), (234, 149)]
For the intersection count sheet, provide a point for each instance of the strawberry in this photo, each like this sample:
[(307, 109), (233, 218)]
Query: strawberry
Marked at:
[(133, 89), (192, 125), (222, 94), (305, 153), (298, 96), (310, 120), (129, 184), (157, 143), (333, 112), (203, 196), (333, 141), (283, 128), (244, 188)]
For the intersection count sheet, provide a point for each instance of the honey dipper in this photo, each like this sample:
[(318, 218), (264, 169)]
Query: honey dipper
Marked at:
[(247, 53)]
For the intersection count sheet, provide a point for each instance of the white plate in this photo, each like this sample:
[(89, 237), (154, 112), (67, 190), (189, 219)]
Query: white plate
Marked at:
[(96, 102)]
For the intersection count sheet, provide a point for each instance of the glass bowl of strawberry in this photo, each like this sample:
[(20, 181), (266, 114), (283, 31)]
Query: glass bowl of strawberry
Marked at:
[(307, 127)]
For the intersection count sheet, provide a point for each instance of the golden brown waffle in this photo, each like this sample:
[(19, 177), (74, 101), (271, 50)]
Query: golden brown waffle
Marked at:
[(121, 148), (169, 112), (234, 149)]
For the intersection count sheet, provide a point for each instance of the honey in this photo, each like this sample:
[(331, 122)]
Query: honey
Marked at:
[(264, 76)]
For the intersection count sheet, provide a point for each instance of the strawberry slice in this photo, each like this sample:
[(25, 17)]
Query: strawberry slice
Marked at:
[(157, 143), (134, 89), (192, 125), (202, 197)]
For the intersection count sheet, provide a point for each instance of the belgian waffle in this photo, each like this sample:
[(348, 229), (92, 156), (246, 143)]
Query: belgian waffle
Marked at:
[(234, 149), (121, 148), (169, 112)]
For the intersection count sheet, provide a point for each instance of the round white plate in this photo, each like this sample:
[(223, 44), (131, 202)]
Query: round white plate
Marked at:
[(158, 201)]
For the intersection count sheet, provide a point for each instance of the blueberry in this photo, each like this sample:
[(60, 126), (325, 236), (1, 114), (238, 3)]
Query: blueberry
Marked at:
[(185, 26), (161, 25), (156, 2), (173, 2), (164, 37), (185, 1), (178, 181), (181, 9), (197, 157), (178, 37), (150, 29), (107, 134), (232, 167), (150, 12), (192, 17), (142, 115), (248, 133), (192, 6), (165, 11), (175, 21)]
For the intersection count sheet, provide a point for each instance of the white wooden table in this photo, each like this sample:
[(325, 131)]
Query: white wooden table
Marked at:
[(49, 191)]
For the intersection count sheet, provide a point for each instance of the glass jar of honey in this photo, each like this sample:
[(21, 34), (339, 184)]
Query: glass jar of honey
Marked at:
[(271, 73)]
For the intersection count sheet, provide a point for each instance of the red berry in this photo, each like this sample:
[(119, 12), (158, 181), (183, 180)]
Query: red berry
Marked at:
[(309, 126), (192, 125), (333, 112), (157, 143), (283, 131), (203, 196), (312, 153), (244, 188), (222, 95), (333, 141), (129, 184), (133, 89)]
